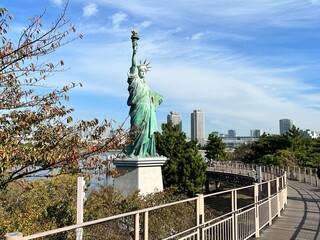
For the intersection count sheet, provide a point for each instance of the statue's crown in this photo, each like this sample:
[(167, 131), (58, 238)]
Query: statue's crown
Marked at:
[(144, 64)]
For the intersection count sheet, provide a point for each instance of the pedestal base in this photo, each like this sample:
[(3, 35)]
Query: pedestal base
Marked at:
[(138, 173)]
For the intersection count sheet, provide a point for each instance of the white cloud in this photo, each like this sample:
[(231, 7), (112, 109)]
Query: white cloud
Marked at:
[(197, 36), (316, 2), (90, 10), (57, 2), (286, 13), (144, 24), (117, 19)]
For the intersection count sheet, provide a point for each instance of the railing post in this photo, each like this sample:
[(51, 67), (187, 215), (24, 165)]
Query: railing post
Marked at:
[(80, 201), (234, 208), (285, 189), (200, 214), (201, 209), (256, 205), (304, 175), (136, 227), (269, 203), (299, 172), (259, 174), (270, 173), (13, 236), (278, 197), (317, 183), (146, 225)]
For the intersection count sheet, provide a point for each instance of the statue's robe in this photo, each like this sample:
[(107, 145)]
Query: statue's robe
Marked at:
[(142, 117)]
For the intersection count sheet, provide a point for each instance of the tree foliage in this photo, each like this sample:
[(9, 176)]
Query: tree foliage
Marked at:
[(107, 202), (185, 168), (37, 132), (242, 152), (41, 205), (36, 206), (215, 148)]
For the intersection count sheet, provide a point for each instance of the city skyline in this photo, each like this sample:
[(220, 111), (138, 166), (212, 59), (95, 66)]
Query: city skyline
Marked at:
[(284, 126), (245, 64)]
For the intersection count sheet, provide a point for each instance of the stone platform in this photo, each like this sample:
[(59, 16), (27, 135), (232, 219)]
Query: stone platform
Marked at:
[(139, 173)]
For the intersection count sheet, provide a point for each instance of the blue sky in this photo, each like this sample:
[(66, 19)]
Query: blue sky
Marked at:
[(246, 64)]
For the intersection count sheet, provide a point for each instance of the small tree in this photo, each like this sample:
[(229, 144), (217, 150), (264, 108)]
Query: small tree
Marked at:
[(185, 168), (243, 152), (313, 153), (37, 132), (267, 145), (215, 148)]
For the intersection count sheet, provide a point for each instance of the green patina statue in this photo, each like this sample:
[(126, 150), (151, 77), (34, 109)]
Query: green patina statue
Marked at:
[(143, 104)]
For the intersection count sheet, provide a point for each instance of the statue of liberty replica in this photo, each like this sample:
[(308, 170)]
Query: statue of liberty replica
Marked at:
[(143, 104), (141, 169)]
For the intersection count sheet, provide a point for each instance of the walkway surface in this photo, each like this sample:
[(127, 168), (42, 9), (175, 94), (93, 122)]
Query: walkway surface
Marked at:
[(301, 218)]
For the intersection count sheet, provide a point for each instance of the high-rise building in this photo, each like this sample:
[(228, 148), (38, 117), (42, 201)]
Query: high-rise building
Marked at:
[(255, 133), (198, 126), (285, 125), (215, 134), (176, 119), (232, 133)]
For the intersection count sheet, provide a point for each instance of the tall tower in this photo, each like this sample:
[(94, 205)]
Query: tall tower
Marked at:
[(176, 119), (255, 133), (232, 133), (197, 126), (285, 125)]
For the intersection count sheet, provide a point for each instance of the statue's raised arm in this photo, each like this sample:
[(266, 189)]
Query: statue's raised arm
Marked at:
[(134, 38)]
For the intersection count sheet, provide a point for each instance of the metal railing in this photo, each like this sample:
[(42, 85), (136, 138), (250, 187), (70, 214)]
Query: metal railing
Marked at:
[(232, 214), (303, 174)]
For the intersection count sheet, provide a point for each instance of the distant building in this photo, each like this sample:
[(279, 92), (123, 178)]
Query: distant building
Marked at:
[(215, 134), (198, 126), (311, 134), (176, 119), (285, 125), (255, 133), (232, 133), (233, 142)]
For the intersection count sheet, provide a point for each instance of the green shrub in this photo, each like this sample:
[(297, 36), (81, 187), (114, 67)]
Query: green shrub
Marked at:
[(36, 206)]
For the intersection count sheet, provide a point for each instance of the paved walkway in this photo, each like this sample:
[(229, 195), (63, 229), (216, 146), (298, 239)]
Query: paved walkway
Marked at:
[(301, 218)]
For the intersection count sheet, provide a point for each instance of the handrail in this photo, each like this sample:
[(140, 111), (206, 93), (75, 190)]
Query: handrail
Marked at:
[(198, 229), (101, 220)]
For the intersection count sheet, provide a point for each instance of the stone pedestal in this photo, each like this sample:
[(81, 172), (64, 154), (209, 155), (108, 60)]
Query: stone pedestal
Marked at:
[(143, 173)]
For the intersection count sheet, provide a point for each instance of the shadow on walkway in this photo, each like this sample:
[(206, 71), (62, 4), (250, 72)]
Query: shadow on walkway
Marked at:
[(301, 218)]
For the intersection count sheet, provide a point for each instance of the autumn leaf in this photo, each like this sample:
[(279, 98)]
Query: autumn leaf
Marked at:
[(39, 22), (69, 119), (47, 107)]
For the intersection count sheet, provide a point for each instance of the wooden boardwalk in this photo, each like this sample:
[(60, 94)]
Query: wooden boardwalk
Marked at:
[(301, 218)]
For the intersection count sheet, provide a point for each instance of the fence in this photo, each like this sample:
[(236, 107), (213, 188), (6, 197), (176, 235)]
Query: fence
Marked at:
[(301, 174), (306, 175), (232, 214)]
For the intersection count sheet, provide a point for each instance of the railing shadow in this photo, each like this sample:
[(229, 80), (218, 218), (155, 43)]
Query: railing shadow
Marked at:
[(305, 214)]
